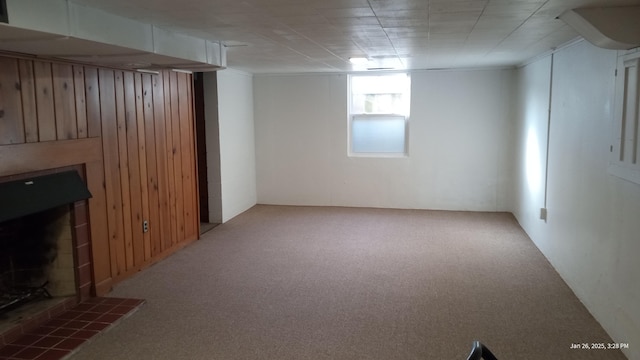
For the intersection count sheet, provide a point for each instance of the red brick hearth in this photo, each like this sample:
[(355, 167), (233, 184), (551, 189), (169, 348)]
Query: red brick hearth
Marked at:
[(64, 333)]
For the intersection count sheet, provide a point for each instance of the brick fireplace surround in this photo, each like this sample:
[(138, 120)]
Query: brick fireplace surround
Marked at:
[(82, 264)]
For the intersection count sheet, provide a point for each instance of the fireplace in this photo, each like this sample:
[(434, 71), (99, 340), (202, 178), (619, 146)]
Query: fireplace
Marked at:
[(45, 254), (36, 258)]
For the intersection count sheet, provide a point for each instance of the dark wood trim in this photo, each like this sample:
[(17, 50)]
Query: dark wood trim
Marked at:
[(201, 146), (23, 158), (104, 287)]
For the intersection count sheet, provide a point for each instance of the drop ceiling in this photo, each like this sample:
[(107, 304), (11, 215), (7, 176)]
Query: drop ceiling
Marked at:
[(285, 36)]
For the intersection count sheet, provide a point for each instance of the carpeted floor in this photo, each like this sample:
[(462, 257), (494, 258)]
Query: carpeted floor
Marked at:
[(281, 282)]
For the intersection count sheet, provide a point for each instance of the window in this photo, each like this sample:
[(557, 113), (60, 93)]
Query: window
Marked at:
[(379, 114), (625, 149), (3, 11)]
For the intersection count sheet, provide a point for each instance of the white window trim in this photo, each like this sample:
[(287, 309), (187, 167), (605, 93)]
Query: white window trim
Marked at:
[(619, 163), (351, 116)]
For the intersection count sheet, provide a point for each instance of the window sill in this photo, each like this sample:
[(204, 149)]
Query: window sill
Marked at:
[(378, 155)]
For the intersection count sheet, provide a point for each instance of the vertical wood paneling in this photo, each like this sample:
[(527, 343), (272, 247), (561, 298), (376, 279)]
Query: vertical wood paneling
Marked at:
[(152, 165), (80, 102), (142, 156), (28, 94), (134, 168), (44, 101), (111, 169), (171, 180), (99, 228), (186, 154), (64, 101), (92, 94), (161, 145), (147, 160), (177, 154), (125, 247), (11, 125)]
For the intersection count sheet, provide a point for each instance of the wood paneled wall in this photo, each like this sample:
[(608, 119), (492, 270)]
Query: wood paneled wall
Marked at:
[(147, 167)]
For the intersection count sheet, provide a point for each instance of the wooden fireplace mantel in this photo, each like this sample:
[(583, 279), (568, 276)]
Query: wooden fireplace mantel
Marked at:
[(25, 158)]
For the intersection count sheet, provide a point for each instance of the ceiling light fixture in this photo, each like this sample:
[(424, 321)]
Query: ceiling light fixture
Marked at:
[(359, 60), (147, 71)]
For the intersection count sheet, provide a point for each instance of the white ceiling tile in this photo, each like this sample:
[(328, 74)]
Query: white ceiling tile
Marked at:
[(355, 21), (407, 32), (346, 12), (457, 6), (306, 35), (339, 4), (378, 5)]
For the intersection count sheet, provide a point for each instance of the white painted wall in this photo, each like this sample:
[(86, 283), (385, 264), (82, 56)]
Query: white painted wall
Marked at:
[(592, 236), (236, 141), (459, 144), (531, 143)]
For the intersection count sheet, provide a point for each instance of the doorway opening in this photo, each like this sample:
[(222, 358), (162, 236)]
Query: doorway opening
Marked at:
[(207, 149)]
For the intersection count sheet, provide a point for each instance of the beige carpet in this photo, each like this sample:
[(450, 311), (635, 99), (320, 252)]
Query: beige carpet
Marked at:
[(282, 282)]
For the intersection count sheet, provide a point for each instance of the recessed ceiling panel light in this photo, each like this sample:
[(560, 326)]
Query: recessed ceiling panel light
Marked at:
[(358, 60)]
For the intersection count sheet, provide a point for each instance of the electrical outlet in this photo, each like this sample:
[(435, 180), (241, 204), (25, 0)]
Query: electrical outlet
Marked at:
[(543, 214), (145, 226)]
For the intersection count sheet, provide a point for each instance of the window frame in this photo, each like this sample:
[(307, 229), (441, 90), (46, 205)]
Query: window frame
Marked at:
[(4, 16), (351, 116), (620, 164)]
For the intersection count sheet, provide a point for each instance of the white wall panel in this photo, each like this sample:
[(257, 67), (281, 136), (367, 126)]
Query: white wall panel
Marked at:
[(237, 149), (592, 235), (530, 150), (458, 145)]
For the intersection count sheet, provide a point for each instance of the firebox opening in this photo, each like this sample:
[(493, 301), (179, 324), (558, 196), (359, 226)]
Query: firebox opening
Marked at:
[(36, 258)]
